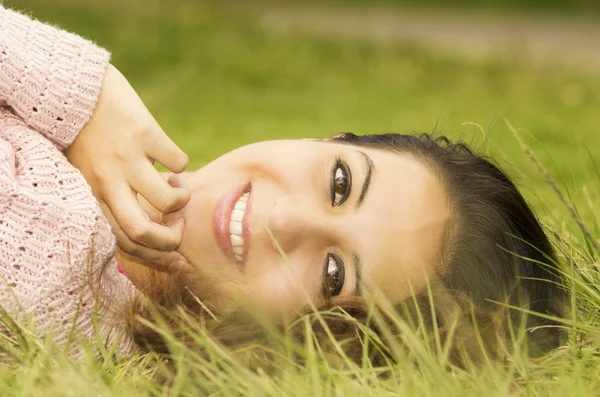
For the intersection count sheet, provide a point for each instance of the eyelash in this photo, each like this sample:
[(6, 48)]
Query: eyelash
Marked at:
[(333, 289), (342, 172)]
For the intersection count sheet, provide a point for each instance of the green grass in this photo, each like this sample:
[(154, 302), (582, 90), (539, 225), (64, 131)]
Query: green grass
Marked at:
[(215, 81)]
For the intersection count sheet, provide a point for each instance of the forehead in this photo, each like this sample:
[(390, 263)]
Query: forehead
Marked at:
[(400, 224)]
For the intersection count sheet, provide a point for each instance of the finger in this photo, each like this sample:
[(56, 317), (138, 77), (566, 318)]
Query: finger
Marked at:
[(162, 149), (168, 218), (165, 261), (177, 180), (146, 180), (134, 222), (153, 215)]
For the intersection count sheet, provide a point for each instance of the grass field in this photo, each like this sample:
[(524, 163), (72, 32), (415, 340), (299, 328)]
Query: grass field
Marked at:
[(215, 81)]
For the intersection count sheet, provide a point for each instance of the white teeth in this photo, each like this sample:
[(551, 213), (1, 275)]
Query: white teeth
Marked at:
[(235, 228), (237, 215), (237, 240)]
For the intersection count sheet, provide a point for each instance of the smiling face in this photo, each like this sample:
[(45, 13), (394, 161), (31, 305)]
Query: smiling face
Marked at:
[(272, 219)]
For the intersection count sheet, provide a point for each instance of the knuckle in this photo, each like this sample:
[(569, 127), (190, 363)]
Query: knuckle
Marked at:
[(137, 133), (170, 242), (140, 127), (167, 200), (121, 154), (98, 170), (101, 187), (155, 259), (130, 248), (136, 234), (171, 245)]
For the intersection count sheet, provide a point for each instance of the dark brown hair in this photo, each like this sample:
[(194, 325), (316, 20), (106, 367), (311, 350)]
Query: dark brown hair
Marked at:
[(495, 257), (496, 251)]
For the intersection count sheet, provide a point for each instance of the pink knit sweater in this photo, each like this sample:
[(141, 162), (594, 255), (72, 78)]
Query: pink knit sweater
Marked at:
[(56, 247)]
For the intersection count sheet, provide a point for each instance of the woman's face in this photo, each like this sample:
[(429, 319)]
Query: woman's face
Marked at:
[(279, 222)]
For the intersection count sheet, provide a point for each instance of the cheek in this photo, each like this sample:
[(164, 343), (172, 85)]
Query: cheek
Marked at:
[(407, 266), (278, 293), (197, 233), (289, 165)]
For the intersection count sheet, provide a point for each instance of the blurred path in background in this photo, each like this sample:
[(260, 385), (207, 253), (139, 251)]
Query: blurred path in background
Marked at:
[(571, 40)]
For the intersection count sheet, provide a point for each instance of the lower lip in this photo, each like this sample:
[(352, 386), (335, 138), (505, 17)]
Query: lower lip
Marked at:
[(222, 220)]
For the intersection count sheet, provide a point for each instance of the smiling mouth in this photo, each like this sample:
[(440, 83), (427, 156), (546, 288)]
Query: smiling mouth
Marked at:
[(231, 224), (236, 229)]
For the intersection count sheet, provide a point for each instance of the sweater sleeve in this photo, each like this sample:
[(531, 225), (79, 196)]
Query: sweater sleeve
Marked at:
[(56, 247), (51, 78), (50, 224)]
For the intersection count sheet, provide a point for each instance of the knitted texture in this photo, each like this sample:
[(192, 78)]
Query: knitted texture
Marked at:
[(50, 77), (56, 247)]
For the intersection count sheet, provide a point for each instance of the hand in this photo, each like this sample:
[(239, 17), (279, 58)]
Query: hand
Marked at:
[(115, 152)]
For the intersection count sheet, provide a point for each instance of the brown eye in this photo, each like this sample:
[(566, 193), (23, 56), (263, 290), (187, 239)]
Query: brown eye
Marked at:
[(333, 277), (341, 183)]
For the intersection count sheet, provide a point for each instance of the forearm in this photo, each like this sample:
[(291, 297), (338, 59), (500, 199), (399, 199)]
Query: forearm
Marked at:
[(51, 78)]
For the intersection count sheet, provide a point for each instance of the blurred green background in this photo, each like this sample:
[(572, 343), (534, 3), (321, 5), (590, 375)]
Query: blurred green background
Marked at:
[(543, 6), (218, 75)]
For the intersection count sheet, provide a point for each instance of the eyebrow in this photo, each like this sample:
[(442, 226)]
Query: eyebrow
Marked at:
[(367, 182), (370, 166), (357, 274)]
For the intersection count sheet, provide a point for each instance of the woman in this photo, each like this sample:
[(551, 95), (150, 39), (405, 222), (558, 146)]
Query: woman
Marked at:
[(276, 225), (342, 221)]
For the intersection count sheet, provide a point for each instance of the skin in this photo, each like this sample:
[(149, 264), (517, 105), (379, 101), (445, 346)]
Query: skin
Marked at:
[(115, 152), (396, 231)]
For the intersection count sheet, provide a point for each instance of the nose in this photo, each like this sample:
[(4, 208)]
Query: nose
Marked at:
[(295, 223)]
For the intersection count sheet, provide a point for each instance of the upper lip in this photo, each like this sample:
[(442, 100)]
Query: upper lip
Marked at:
[(222, 220)]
